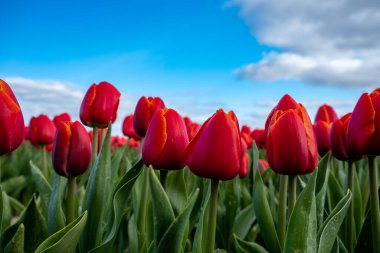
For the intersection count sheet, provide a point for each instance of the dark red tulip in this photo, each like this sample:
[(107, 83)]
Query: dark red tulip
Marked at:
[(71, 149), (144, 111), (326, 113), (363, 133), (128, 129), (260, 137), (26, 133), (291, 144), (99, 105), (192, 130), (165, 141), (117, 142), (61, 117), (41, 130), (216, 152), (338, 140), (244, 160), (246, 134), (325, 116), (11, 120), (263, 165)]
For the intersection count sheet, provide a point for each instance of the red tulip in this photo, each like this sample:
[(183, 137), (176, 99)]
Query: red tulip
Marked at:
[(145, 109), (246, 134), (71, 149), (263, 165), (99, 105), (11, 120), (216, 152), (325, 116), (61, 118), (260, 137), (291, 145), (41, 130), (192, 130), (326, 113), (363, 133), (338, 140), (128, 129), (165, 141), (244, 160)]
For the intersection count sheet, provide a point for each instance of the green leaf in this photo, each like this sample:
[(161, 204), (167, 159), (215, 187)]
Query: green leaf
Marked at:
[(123, 190), (43, 187), (172, 239), (66, 239), (200, 233), (1, 207), (255, 161), (357, 200), (176, 190), (35, 228), (301, 235), (264, 215), (162, 210), (16, 244), (335, 191), (16, 205), (13, 184), (328, 232), (364, 242), (244, 221), (321, 186), (133, 236), (248, 247), (5, 211), (97, 198), (56, 216)]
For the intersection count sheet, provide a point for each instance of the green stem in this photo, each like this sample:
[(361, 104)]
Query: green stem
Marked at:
[(350, 216), (141, 219), (45, 165), (212, 216), (94, 146), (163, 175), (281, 228), (101, 136), (292, 193), (374, 198), (70, 211)]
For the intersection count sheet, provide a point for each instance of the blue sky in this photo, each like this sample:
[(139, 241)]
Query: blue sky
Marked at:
[(240, 55)]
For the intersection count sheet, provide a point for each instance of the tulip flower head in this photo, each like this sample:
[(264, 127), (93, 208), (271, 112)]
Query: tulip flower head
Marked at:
[(99, 105), (128, 129), (263, 165), (216, 150), (244, 160), (260, 137), (41, 130), (246, 135), (165, 141), (144, 111), (363, 133), (324, 118), (71, 149), (291, 144), (61, 117), (11, 120)]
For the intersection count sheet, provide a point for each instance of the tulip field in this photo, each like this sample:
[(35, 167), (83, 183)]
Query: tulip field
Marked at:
[(171, 185)]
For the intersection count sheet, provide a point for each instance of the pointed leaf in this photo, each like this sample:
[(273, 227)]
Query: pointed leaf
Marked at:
[(66, 239), (56, 216), (200, 233), (43, 187), (301, 235), (176, 189), (321, 186), (172, 239), (16, 244), (244, 221), (248, 247), (330, 228)]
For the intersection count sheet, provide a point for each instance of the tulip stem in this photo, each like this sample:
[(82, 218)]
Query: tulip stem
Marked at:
[(281, 222), (141, 218), (70, 200), (212, 215), (163, 176), (45, 165), (350, 216), (94, 145), (292, 193), (374, 198)]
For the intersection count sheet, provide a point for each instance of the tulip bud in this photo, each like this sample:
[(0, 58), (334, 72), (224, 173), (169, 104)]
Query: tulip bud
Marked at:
[(291, 145), (71, 149), (145, 109), (99, 105), (246, 135), (244, 160), (41, 130), (216, 152), (260, 137), (363, 133), (11, 120), (61, 117), (128, 129), (325, 116), (338, 140), (263, 165), (165, 141)]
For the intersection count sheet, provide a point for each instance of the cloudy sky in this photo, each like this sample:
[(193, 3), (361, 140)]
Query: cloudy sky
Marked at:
[(199, 55)]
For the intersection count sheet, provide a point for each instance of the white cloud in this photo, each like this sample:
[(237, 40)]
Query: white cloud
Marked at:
[(319, 42)]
